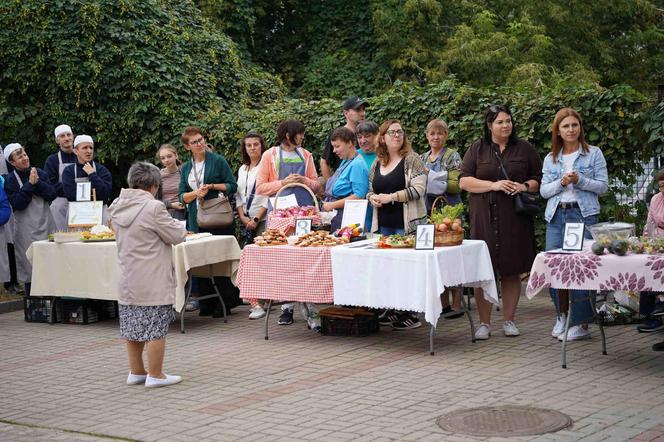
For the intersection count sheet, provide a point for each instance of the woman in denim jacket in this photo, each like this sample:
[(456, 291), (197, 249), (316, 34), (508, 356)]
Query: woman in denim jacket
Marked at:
[(574, 176)]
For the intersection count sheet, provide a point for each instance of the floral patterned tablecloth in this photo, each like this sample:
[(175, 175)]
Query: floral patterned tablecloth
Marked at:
[(585, 270)]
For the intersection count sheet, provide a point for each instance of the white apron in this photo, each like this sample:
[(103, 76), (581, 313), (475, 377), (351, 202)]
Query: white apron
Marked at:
[(104, 213), (60, 205), (33, 223)]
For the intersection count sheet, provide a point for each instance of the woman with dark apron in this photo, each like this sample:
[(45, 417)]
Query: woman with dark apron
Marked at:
[(282, 165), (29, 193), (351, 179)]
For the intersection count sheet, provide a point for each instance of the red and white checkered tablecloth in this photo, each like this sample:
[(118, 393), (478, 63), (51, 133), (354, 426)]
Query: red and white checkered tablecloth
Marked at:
[(286, 273)]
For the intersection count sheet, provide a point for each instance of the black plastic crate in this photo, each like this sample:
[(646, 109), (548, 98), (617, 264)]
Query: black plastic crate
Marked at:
[(42, 309), (78, 311), (105, 309), (340, 321)]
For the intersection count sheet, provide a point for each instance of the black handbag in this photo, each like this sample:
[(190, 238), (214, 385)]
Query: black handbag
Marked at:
[(525, 203)]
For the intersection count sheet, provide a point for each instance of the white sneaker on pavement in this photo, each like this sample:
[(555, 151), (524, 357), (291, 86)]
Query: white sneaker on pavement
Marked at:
[(483, 332), (151, 382), (509, 328), (560, 325), (257, 312), (576, 333), (136, 379)]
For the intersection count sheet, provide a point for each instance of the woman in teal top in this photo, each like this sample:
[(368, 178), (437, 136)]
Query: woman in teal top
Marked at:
[(351, 179), (204, 177), (210, 176)]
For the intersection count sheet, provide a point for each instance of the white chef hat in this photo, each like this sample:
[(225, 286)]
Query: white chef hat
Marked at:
[(83, 139), (10, 149), (62, 129)]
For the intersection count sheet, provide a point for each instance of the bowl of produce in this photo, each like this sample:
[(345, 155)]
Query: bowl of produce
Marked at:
[(449, 229), (605, 233)]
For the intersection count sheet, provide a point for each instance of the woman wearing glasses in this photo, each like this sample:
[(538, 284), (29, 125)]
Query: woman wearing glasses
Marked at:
[(204, 178), (397, 185), (575, 175), (509, 236)]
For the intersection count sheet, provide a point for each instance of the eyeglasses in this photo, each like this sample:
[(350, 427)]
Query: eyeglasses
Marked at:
[(660, 185), (197, 142), (395, 132)]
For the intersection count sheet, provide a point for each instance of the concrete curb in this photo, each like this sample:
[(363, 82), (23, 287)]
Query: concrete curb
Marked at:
[(11, 306)]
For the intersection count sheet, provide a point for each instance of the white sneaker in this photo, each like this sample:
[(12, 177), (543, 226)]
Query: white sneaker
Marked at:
[(576, 333), (483, 332), (151, 382), (257, 312), (560, 325), (509, 328), (136, 379)]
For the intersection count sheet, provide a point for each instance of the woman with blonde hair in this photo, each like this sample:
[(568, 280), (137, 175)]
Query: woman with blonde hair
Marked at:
[(167, 155)]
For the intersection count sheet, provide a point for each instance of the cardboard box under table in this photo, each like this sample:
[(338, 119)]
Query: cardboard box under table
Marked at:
[(90, 270), (409, 279)]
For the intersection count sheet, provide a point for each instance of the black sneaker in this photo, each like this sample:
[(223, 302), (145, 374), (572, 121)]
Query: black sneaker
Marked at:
[(658, 346), (449, 309), (286, 317), (650, 326), (406, 322), (659, 309), (387, 317)]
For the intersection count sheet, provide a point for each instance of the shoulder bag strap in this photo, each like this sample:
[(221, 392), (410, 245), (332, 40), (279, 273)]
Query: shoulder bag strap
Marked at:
[(502, 168)]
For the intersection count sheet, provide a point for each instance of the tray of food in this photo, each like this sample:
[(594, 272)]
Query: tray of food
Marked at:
[(271, 237), (319, 239), (98, 233), (396, 242)]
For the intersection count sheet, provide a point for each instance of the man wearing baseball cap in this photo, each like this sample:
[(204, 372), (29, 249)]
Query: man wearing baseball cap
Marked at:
[(85, 169), (353, 113), (29, 194), (54, 166)]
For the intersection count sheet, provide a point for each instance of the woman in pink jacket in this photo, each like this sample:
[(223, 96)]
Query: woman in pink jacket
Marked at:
[(284, 164), (145, 232)]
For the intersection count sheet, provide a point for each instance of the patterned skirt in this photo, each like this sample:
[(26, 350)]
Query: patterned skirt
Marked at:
[(140, 323)]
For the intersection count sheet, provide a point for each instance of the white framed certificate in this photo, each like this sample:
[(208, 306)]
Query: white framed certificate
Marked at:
[(85, 213), (355, 212), (573, 237), (424, 237)]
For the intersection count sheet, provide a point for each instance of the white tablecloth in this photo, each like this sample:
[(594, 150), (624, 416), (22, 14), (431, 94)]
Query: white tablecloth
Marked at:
[(408, 279), (90, 270)]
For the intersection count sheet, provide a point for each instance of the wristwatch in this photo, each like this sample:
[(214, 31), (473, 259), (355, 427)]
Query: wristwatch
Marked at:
[(527, 186), (256, 220)]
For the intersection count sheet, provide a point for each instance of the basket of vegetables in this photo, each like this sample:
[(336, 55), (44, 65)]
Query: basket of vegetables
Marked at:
[(449, 229)]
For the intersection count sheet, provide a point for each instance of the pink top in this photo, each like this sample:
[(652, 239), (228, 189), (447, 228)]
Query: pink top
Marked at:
[(655, 223), (267, 180)]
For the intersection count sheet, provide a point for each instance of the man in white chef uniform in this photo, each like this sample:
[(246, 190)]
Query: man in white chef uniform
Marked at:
[(29, 194), (54, 166)]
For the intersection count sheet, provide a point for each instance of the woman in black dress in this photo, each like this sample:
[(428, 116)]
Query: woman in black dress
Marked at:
[(509, 236)]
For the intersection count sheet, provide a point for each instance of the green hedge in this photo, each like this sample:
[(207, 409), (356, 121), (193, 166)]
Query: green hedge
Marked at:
[(620, 121)]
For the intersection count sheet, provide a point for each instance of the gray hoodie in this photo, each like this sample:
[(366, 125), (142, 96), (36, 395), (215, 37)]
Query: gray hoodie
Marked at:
[(145, 233)]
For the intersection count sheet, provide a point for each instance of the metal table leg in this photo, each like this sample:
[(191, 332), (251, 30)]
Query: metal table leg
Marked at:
[(431, 333), (267, 317), (186, 300), (466, 309), (564, 348)]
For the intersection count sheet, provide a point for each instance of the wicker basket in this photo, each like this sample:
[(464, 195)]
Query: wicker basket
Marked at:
[(344, 321), (287, 225), (445, 239)]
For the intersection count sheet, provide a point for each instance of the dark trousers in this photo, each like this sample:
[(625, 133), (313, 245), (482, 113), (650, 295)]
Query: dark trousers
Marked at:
[(646, 303)]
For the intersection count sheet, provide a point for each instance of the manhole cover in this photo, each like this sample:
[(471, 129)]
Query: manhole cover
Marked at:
[(508, 420)]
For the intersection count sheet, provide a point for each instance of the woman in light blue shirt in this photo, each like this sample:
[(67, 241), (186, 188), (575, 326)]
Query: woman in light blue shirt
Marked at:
[(351, 179), (574, 176)]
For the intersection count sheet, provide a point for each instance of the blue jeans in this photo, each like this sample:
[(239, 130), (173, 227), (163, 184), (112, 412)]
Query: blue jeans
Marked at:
[(390, 231), (580, 312)]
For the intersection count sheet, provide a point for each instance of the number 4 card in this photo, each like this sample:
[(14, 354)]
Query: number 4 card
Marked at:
[(424, 237)]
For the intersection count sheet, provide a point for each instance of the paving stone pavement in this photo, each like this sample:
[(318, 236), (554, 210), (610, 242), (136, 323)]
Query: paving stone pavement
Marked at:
[(301, 386)]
